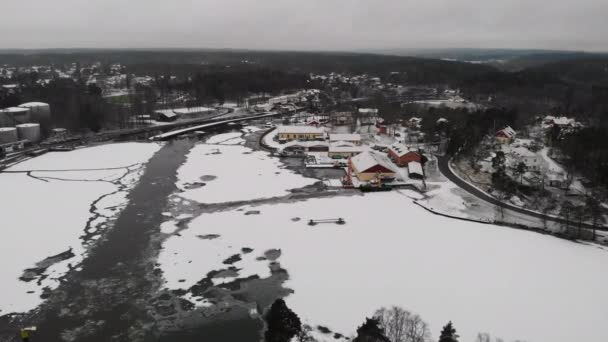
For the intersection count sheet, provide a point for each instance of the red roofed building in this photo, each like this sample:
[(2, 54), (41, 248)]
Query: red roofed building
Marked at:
[(402, 155)]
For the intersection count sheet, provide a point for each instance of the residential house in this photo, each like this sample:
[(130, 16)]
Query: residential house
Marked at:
[(342, 118), (505, 135), (532, 160)]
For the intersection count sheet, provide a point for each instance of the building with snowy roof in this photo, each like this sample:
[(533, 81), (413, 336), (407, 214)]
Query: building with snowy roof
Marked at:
[(505, 135), (415, 170), (403, 155), (303, 133), (368, 166), (343, 151), (350, 138)]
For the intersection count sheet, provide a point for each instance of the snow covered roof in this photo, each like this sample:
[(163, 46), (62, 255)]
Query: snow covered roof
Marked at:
[(306, 144), (168, 114), (563, 121), (400, 149), (367, 160), (415, 167), (415, 119), (344, 137), (300, 130), (345, 149), (341, 144), (33, 105), (508, 131), (15, 110), (440, 120), (368, 110)]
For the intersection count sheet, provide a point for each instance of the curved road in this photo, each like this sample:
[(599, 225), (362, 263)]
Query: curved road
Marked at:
[(444, 168)]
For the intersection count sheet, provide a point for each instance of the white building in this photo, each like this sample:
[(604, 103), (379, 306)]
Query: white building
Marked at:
[(349, 138), (521, 154)]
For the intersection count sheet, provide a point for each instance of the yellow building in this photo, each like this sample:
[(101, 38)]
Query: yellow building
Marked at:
[(302, 133)]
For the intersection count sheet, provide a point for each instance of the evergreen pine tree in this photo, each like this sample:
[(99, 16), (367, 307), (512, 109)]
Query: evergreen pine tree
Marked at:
[(448, 334), (282, 323), (370, 331)]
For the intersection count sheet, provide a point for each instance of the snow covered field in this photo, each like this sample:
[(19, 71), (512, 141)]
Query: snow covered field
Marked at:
[(234, 173), (510, 283), (47, 216)]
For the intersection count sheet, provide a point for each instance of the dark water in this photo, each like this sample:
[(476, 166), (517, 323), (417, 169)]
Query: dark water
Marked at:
[(102, 302), (109, 299)]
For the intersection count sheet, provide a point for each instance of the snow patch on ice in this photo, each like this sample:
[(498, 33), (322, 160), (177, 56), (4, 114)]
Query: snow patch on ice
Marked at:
[(243, 174), (44, 218)]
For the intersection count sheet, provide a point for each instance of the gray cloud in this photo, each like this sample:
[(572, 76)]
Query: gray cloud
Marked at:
[(306, 24)]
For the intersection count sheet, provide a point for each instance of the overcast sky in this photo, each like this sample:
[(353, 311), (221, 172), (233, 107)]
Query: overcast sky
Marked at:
[(305, 24)]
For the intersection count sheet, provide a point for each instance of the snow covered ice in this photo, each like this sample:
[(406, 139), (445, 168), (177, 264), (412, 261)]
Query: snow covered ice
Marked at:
[(42, 218), (239, 174), (511, 283)]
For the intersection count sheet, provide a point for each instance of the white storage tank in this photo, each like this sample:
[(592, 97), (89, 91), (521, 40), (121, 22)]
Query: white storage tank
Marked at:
[(29, 131), (8, 135), (17, 114), (39, 111)]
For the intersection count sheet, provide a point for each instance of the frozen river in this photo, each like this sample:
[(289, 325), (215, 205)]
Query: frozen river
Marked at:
[(229, 212)]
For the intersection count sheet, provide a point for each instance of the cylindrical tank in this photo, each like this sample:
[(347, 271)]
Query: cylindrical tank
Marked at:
[(39, 111), (29, 131), (17, 114), (8, 135)]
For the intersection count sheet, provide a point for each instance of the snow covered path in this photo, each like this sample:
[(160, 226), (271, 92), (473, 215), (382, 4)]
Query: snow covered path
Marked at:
[(48, 213)]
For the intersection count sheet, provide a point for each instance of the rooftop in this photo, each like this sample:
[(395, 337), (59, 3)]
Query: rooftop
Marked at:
[(344, 137), (367, 160), (300, 130)]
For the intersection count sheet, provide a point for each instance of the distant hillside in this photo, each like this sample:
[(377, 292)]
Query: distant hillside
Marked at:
[(504, 59), (412, 69), (591, 70)]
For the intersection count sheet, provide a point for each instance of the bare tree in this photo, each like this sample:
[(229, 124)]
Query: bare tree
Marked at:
[(403, 326), (483, 337)]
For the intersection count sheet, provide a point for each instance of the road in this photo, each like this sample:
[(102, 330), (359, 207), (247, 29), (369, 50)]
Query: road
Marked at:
[(444, 168)]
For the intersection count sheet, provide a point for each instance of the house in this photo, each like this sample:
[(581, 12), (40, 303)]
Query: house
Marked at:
[(562, 122), (369, 116), (354, 139), (342, 118), (303, 133), (523, 155), (344, 150), (505, 135), (415, 170), (414, 123), (165, 115), (402, 155), (369, 166)]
